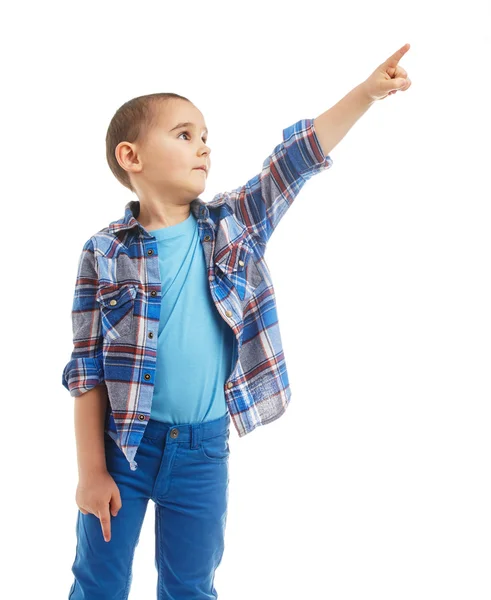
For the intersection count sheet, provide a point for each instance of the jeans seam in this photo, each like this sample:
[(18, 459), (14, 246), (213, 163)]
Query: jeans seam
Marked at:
[(128, 576), (159, 564)]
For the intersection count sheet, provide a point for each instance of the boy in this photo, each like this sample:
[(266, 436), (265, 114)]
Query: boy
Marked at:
[(176, 333)]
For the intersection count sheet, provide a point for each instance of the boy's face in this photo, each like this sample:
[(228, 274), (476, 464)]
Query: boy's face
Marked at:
[(165, 162)]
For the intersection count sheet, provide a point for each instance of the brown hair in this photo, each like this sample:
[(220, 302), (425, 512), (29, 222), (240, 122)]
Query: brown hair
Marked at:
[(130, 123)]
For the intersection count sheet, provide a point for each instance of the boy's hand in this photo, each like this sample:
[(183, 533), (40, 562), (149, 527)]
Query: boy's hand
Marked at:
[(388, 78), (96, 495)]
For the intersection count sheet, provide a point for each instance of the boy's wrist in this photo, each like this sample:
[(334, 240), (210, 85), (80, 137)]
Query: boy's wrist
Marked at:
[(87, 472), (364, 94)]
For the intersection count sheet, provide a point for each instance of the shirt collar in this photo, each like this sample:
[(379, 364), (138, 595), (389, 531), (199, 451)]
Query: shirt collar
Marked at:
[(132, 210)]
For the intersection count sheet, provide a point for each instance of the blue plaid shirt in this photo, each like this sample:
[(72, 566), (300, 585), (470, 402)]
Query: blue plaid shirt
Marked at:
[(116, 305)]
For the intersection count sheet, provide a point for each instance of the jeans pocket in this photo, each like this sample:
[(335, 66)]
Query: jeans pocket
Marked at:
[(150, 438), (216, 449)]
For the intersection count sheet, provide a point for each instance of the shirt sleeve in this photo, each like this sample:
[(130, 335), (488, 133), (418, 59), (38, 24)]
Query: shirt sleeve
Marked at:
[(261, 203), (85, 367)]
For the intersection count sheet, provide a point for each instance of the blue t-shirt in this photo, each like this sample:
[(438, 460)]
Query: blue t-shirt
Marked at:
[(195, 346)]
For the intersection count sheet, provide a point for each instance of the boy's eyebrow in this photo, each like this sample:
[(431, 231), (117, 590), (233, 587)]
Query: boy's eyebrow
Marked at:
[(187, 124)]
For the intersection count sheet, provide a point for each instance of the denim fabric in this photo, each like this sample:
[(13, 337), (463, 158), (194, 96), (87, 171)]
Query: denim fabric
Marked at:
[(184, 470)]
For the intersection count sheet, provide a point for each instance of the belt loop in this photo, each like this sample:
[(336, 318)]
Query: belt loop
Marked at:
[(195, 435)]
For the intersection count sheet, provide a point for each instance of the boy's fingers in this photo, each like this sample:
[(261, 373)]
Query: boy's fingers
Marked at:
[(105, 520), (116, 503)]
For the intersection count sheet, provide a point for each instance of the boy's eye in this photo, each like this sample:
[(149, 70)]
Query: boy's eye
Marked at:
[(187, 133)]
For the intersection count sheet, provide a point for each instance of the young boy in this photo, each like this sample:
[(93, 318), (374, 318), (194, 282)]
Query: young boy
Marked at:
[(175, 333)]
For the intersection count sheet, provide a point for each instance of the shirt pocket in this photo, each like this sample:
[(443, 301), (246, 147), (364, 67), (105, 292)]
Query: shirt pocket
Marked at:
[(117, 307), (240, 268)]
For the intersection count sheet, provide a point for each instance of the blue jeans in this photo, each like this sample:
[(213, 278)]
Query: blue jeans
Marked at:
[(184, 470)]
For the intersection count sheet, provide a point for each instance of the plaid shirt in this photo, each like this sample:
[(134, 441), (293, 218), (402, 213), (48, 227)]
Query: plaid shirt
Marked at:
[(116, 306)]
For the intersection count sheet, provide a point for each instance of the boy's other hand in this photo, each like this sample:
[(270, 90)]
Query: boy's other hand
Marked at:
[(99, 495)]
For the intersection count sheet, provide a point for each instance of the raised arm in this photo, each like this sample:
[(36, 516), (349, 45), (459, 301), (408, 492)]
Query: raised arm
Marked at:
[(261, 202)]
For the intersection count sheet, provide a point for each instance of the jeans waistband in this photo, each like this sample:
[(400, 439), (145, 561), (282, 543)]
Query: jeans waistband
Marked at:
[(191, 433)]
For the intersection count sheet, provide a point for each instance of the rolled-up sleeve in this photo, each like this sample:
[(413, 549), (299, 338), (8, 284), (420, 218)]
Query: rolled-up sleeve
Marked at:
[(85, 370), (261, 203)]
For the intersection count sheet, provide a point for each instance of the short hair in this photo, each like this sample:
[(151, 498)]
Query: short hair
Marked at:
[(130, 123)]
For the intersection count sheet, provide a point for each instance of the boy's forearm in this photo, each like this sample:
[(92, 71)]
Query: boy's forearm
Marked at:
[(90, 413), (331, 126)]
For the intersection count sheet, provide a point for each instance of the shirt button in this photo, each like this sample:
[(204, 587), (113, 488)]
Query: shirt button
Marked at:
[(150, 251), (207, 238), (113, 302), (153, 293), (150, 335), (241, 263), (228, 313), (230, 384), (146, 376), (141, 417)]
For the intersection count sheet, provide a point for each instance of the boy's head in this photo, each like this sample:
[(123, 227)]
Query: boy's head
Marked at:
[(150, 156)]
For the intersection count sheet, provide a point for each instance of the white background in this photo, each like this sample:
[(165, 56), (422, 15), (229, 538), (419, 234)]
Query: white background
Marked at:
[(376, 482)]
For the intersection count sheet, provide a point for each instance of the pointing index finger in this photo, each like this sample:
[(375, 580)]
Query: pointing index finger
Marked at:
[(105, 520), (396, 57)]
